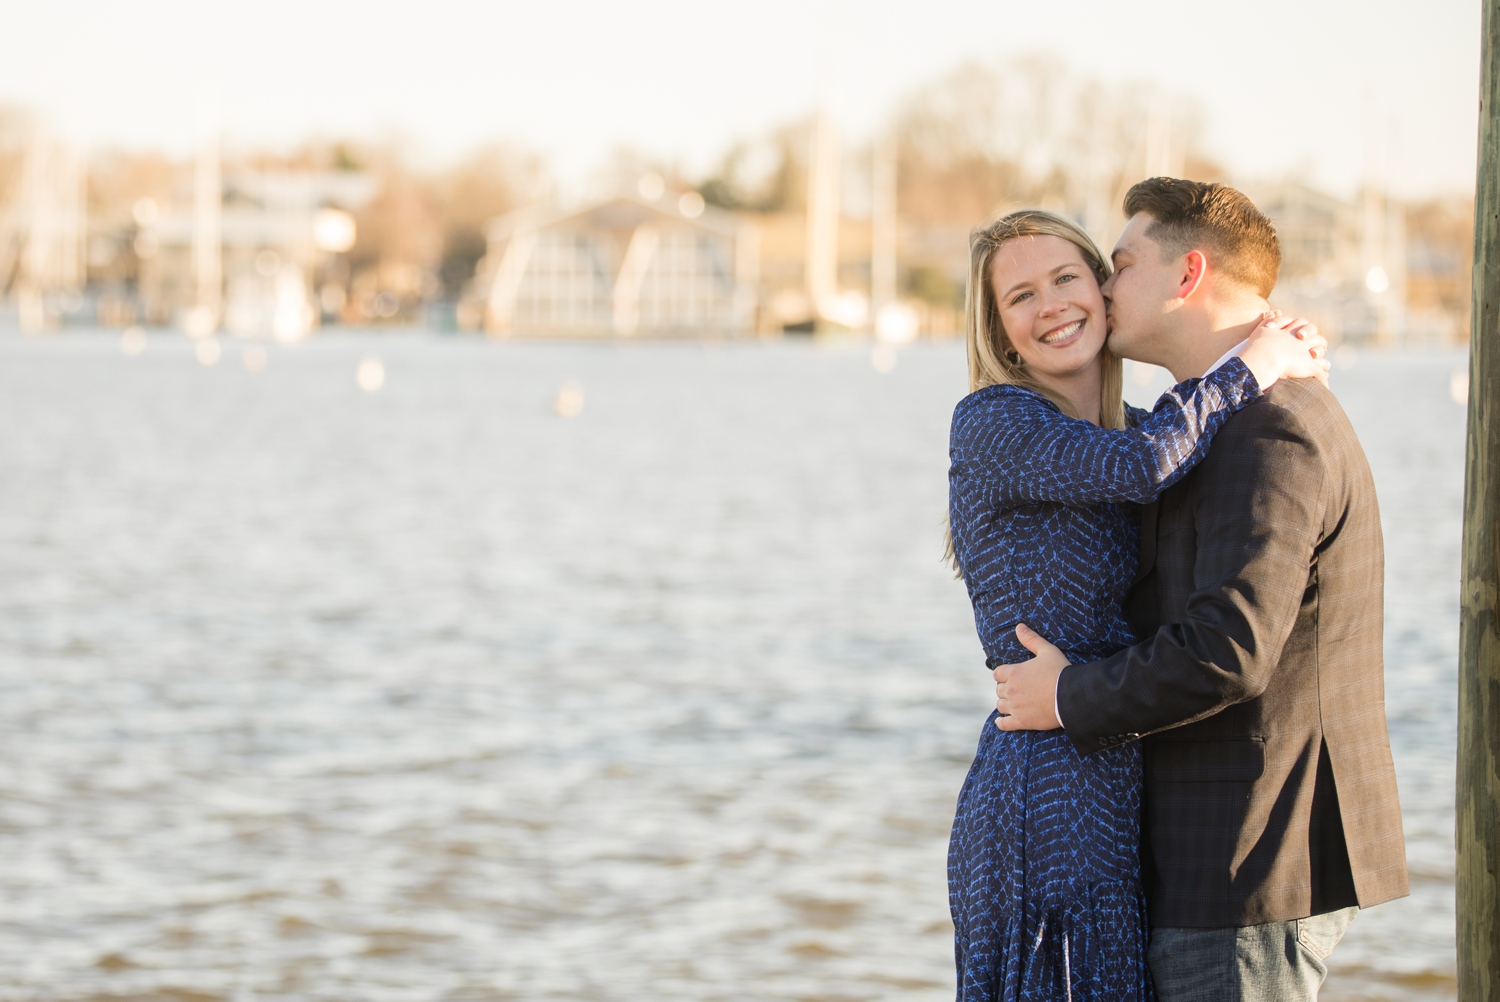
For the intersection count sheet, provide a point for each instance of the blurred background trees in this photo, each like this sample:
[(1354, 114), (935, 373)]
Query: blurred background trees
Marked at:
[(972, 143)]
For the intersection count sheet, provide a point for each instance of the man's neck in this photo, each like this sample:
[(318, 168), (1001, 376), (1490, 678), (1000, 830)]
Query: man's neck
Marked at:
[(1226, 330)]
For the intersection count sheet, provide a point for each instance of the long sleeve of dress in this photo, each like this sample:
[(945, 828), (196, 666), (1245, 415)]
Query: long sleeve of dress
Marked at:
[(1015, 441)]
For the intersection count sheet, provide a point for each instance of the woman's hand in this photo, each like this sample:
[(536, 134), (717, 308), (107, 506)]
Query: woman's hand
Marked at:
[(1285, 348)]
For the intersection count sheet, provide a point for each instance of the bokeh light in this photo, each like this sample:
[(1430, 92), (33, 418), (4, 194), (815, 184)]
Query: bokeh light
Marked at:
[(132, 341), (370, 375), (569, 400)]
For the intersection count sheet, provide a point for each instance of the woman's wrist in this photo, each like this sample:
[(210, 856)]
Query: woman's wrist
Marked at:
[(1263, 365)]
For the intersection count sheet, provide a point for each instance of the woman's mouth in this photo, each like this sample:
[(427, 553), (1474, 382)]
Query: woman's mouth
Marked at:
[(1060, 334)]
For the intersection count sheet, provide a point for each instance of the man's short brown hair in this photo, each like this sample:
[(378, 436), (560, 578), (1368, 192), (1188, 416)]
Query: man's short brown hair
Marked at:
[(1236, 236)]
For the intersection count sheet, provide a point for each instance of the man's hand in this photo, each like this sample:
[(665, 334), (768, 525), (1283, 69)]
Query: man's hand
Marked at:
[(1027, 693)]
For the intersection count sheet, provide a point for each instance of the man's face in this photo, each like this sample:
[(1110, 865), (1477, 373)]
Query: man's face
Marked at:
[(1140, 293)]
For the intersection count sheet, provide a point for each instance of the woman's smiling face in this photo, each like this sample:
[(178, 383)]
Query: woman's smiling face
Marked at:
[(1050, 306)]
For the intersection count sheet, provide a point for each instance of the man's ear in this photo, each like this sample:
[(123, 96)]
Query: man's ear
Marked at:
[(1194, 268)]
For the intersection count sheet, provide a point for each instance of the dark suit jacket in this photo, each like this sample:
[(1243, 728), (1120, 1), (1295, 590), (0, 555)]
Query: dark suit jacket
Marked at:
[(1270, 792)]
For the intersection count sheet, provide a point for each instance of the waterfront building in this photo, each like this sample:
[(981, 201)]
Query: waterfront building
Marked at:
[(44, 233), (1376, 271), (657, 264), (1321, 259), (279, 234)]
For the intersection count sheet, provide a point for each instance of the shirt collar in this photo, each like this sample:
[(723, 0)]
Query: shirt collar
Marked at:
[(1227, 356)]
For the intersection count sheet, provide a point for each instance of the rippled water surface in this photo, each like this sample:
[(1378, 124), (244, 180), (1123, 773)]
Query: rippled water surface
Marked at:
[(432, 694)]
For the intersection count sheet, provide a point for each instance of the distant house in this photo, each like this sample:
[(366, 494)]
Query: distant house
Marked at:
[(1321, 236), (277, 234), (623, 267), (1343, 263)]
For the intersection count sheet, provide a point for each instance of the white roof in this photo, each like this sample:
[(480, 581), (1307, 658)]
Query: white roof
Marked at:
[(619, 212)]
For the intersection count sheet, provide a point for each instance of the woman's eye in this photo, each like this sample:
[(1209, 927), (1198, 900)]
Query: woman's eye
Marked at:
[(1065, 278), (1020, 297)]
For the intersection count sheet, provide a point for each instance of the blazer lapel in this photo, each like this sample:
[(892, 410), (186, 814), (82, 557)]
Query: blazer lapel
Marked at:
[(1148, 541)]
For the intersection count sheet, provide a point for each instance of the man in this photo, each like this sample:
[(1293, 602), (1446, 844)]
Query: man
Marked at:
[(1258, 689)]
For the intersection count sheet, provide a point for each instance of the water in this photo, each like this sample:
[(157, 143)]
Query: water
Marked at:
[(432, 694)]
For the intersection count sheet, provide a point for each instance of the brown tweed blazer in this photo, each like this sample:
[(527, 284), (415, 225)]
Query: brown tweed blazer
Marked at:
[(1270, 793)]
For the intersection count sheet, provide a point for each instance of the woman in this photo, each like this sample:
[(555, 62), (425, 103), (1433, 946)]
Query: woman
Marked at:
[(1043, 866)]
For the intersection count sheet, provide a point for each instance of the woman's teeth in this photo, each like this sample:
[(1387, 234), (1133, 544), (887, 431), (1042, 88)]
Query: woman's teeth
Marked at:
[(1062, 333)]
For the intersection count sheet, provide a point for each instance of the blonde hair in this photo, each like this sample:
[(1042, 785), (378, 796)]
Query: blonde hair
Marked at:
[(992, 361)]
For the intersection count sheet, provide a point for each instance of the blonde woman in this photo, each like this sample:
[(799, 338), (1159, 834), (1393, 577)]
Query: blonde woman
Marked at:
[(1047, 466)]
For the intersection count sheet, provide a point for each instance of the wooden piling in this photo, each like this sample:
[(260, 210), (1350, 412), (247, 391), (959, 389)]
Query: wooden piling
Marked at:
[(1478, 802)]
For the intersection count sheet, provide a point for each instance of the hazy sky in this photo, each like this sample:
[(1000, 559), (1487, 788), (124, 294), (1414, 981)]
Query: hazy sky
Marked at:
[(1282, 82)]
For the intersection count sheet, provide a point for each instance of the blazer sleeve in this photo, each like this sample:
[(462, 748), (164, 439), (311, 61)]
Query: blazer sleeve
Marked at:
[(1261, 496), (1017, 443)]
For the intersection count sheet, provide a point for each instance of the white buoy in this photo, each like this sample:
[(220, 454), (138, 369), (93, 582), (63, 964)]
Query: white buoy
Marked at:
[(370, 376), (1458, 387), (569, 400)]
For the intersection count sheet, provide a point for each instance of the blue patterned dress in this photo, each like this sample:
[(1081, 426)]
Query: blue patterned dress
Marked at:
[(1044, 865)]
